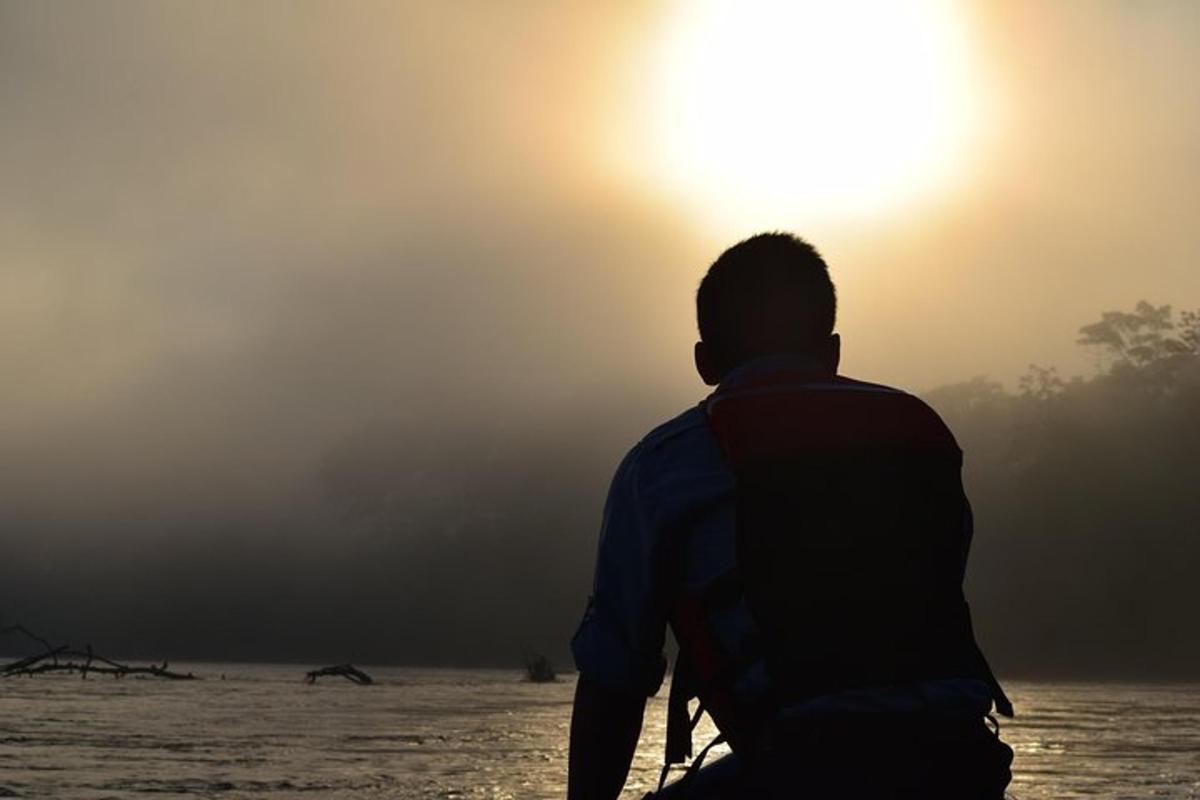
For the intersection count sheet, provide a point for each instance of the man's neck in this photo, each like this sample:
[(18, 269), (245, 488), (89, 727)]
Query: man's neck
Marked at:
[(782, 362)]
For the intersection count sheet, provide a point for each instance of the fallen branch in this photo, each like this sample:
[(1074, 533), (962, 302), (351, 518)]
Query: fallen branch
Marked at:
[(116, 672), (21, 629), (49, 661), (347, 671)]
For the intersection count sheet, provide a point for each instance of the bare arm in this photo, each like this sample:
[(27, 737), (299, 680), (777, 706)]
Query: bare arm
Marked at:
[(605, 726)]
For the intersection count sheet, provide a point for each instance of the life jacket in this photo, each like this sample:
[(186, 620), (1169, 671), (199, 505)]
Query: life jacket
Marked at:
[(851, 542)]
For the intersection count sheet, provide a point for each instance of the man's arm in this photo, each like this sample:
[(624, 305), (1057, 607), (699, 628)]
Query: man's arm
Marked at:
[(618, 647), (605, 726)]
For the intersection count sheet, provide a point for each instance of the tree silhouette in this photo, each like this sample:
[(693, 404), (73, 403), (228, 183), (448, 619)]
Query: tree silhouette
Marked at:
[(1041, 383), (1189, 331), (1084, 491), (1139, 337)]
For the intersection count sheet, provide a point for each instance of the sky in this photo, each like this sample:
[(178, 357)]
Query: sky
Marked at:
[(271, 272)]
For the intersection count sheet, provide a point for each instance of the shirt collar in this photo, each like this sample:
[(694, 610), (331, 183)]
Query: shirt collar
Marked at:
[(763, 365)]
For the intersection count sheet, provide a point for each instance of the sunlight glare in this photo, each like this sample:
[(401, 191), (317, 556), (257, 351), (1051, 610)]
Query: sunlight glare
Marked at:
[(779, 113)]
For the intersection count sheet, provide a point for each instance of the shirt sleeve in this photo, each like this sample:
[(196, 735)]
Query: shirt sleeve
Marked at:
[(619, 643)]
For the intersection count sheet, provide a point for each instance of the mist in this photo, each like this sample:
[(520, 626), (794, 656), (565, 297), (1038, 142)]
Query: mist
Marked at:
[(322, 327)]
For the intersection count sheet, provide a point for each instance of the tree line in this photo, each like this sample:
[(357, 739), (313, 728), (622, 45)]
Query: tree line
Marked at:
[(1086, 492)]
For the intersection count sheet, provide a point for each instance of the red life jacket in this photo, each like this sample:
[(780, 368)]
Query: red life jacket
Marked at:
[(852, 540)]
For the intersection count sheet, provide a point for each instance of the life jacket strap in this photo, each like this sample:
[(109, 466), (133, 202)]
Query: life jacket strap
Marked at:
[(698, 762), (1004, 706), (679, 721), (694, 767)]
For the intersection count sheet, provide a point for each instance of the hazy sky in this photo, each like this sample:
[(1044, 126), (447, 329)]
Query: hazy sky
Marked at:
[(236, 236)]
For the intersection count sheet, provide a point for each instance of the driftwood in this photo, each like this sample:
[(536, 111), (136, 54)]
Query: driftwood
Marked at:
[(538, 669), (64, 658), (347, 671)]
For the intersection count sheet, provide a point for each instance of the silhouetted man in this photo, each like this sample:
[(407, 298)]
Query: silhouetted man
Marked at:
[(805, 536)]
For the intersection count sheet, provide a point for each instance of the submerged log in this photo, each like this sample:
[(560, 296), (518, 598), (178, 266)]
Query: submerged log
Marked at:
[(119, 671), (347, 671), (65, 659)]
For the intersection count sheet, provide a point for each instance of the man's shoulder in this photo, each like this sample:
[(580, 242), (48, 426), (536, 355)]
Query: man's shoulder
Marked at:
[(684, 439), (901, 395), (687, 422), (876, 411), (912, 409), (854, 384)]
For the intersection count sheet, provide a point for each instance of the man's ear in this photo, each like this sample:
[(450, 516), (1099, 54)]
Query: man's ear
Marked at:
[(706, 364), (833, 353)]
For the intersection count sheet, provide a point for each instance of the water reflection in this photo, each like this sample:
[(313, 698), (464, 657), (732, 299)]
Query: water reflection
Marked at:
[(474, 734)]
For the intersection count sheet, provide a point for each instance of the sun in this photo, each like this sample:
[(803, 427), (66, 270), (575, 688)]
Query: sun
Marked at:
[(785, 113)]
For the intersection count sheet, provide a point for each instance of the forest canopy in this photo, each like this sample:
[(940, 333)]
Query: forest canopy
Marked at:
[(1086, 502)]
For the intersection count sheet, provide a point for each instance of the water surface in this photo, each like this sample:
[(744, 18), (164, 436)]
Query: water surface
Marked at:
[(263, 733)]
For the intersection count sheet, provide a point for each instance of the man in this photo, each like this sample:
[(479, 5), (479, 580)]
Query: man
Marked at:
[(805, 537)]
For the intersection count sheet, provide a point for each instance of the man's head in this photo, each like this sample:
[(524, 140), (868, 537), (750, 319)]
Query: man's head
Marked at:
[(770, 294)]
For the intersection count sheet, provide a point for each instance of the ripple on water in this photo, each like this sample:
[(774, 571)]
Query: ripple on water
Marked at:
[(477, 734)]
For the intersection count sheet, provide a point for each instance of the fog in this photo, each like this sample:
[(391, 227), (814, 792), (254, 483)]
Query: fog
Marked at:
[(323, 326)]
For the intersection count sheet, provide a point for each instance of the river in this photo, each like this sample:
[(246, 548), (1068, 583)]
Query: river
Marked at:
[(261, 732)]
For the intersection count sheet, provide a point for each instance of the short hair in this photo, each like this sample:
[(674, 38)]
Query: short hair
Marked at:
[(768, 294)]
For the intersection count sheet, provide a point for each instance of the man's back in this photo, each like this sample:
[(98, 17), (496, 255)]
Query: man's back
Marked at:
[(804, 535), (852, 531)]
